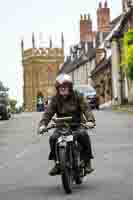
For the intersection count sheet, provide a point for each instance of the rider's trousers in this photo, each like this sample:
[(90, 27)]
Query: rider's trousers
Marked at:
[(82, 137)]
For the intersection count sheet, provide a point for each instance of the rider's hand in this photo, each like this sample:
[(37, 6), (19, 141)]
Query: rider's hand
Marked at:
[(42, 129), (90, 124)]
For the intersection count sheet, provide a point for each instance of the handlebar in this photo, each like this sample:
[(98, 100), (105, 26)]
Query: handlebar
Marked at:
[(59, 119), (72, 124)]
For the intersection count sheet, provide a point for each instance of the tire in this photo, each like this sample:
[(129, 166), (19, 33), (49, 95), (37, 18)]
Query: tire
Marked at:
[(5, 116), (78, 179), (66, 175)]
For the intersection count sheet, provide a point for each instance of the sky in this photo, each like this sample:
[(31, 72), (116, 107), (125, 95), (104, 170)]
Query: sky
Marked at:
[(18, 19)]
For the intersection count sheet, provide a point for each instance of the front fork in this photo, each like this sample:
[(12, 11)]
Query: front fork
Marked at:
[(69, 154)]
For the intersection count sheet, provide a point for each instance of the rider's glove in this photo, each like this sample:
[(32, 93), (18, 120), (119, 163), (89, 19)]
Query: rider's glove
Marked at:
[(42, 129), (90, 124)]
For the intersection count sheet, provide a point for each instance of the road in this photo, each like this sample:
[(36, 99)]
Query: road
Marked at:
[(24, 165)]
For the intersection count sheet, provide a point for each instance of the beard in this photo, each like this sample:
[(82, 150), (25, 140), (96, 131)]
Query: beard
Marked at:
[(65, 97)]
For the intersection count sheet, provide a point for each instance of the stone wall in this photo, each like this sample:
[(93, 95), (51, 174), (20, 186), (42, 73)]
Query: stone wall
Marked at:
[(40, 67)]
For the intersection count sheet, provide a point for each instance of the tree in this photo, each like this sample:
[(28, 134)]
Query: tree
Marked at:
[(127, 60), (3, 88), (13, 104)]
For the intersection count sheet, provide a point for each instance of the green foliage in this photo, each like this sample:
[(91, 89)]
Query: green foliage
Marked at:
[(3, 88), (13, 104), (130, 62), (127, 60)]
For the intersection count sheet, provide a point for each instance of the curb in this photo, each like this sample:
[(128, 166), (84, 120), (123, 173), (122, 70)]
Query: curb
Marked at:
[(128, 110)]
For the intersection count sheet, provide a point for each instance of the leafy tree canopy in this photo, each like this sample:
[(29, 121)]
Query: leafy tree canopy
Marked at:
[(13, 103), (128, 53)]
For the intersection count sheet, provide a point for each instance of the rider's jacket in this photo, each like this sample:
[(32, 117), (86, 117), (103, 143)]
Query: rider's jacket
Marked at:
[(75, 105)]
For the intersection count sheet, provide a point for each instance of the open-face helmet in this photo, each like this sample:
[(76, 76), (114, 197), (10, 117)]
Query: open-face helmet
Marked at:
[(63, 80)]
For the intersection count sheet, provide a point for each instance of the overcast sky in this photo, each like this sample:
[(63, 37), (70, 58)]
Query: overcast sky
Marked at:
[(18, 19)]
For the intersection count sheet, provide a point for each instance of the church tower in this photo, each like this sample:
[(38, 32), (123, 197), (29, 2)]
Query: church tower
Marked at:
[(40, 68)]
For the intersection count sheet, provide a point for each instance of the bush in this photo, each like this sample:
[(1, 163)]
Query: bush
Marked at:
[(127, 61)]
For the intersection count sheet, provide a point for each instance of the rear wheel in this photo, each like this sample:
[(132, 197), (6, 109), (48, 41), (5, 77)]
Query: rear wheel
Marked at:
[(66, 175)]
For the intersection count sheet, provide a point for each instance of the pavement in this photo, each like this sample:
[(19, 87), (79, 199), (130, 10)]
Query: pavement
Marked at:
[(120, 108), (124, 108)]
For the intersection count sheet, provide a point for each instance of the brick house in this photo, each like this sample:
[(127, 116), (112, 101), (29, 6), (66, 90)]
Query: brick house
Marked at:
[(80, 63), (102, 74)]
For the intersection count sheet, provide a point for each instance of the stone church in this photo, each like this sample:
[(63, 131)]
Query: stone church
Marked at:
[(40, 68)]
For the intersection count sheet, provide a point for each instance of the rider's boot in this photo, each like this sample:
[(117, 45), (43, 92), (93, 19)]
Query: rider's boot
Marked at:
[(88, 167), (55, 170)]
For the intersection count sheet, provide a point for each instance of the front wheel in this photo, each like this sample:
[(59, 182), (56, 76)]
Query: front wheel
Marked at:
[(66, 175), (78, 179)]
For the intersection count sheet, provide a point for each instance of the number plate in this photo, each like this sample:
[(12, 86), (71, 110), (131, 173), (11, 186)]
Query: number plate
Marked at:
[(68, 138)]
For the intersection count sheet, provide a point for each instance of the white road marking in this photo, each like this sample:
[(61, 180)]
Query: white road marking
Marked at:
[(21, 154), (18, 156)]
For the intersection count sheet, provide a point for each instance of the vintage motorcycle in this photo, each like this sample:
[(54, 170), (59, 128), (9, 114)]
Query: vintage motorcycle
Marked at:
[(68, 153)]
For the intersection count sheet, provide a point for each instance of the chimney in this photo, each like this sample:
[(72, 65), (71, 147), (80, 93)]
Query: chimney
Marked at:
[(103, 17), (85, 28)]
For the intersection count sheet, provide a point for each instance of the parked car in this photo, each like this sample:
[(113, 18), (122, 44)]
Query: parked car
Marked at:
[(89, 93), (5, 110)]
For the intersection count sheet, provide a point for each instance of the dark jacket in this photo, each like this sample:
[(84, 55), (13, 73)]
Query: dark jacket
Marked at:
[(75, 105)]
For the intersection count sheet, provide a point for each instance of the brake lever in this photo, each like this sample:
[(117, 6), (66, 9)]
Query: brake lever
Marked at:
[(88, 127), (52, 126), (84, 126)]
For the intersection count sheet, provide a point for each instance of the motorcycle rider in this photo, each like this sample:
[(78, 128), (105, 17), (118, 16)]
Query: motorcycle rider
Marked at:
[(68, 102)]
